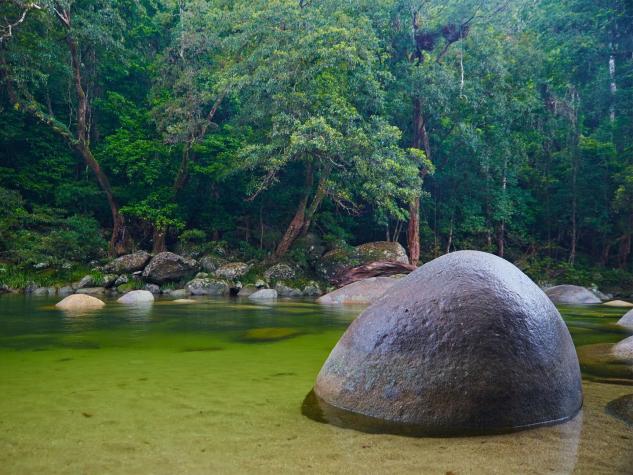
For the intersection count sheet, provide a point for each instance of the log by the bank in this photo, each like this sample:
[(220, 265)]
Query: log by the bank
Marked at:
[(373, 269)]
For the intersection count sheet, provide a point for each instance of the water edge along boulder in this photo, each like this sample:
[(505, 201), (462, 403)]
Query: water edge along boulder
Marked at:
[(465, 345)]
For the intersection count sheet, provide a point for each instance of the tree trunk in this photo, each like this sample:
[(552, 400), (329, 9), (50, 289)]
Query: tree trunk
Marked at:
[(296, 226), (120, 240), (501, 243), (501, 238), (413, 231), (420, 141), (158, 240)]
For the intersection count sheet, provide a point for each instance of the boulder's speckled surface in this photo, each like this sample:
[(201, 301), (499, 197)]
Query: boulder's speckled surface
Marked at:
[(467, 344)]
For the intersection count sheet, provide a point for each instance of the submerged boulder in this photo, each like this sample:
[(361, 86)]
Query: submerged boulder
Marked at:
[(467, 344), (136, 297), (571, 295), (80, 302), (363, 292), (128, 263), (618, 304), (622, 408), (167, 266), (264, 294)]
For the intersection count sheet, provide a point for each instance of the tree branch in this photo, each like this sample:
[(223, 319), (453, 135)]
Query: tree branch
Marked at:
[(7, 30)]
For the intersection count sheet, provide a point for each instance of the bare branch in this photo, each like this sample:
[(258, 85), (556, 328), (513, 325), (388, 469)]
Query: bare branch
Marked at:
[(6, 31)]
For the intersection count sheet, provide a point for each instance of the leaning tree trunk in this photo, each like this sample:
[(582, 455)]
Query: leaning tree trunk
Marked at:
[(413, 232), (420, 141), (296, 226)]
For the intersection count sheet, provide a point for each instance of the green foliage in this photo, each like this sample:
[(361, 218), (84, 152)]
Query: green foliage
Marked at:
[(46, 235), (221, 120)]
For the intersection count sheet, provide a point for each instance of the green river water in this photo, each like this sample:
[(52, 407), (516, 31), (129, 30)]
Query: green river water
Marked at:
[(217, 387)]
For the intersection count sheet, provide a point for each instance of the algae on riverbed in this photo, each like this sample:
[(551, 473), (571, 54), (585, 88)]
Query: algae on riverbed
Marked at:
[(161, 399)]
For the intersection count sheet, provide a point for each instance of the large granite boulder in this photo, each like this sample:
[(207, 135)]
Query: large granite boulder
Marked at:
[(167, 266), (363, 292), (207, 287), (339, 260), (627, 320), (467, 344), (136, 297), (571, 295), (128, 263), (78, 302)]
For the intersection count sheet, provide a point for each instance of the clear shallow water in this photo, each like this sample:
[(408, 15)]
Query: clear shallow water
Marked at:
[(217, 387)]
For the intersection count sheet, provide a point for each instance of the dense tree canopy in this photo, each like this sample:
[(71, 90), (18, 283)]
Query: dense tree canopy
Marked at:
[(505, 126)]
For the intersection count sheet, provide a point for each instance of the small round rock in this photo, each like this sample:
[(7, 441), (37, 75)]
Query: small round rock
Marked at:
[(137, 296), (78, 302)]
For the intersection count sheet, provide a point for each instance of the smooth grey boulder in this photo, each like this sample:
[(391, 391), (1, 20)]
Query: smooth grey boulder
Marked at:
[(207, 287), (466, 344), (264, 294), (627, 320), (128, 263), (363, 292), (167, 266), (137, 297), (571, 295)]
